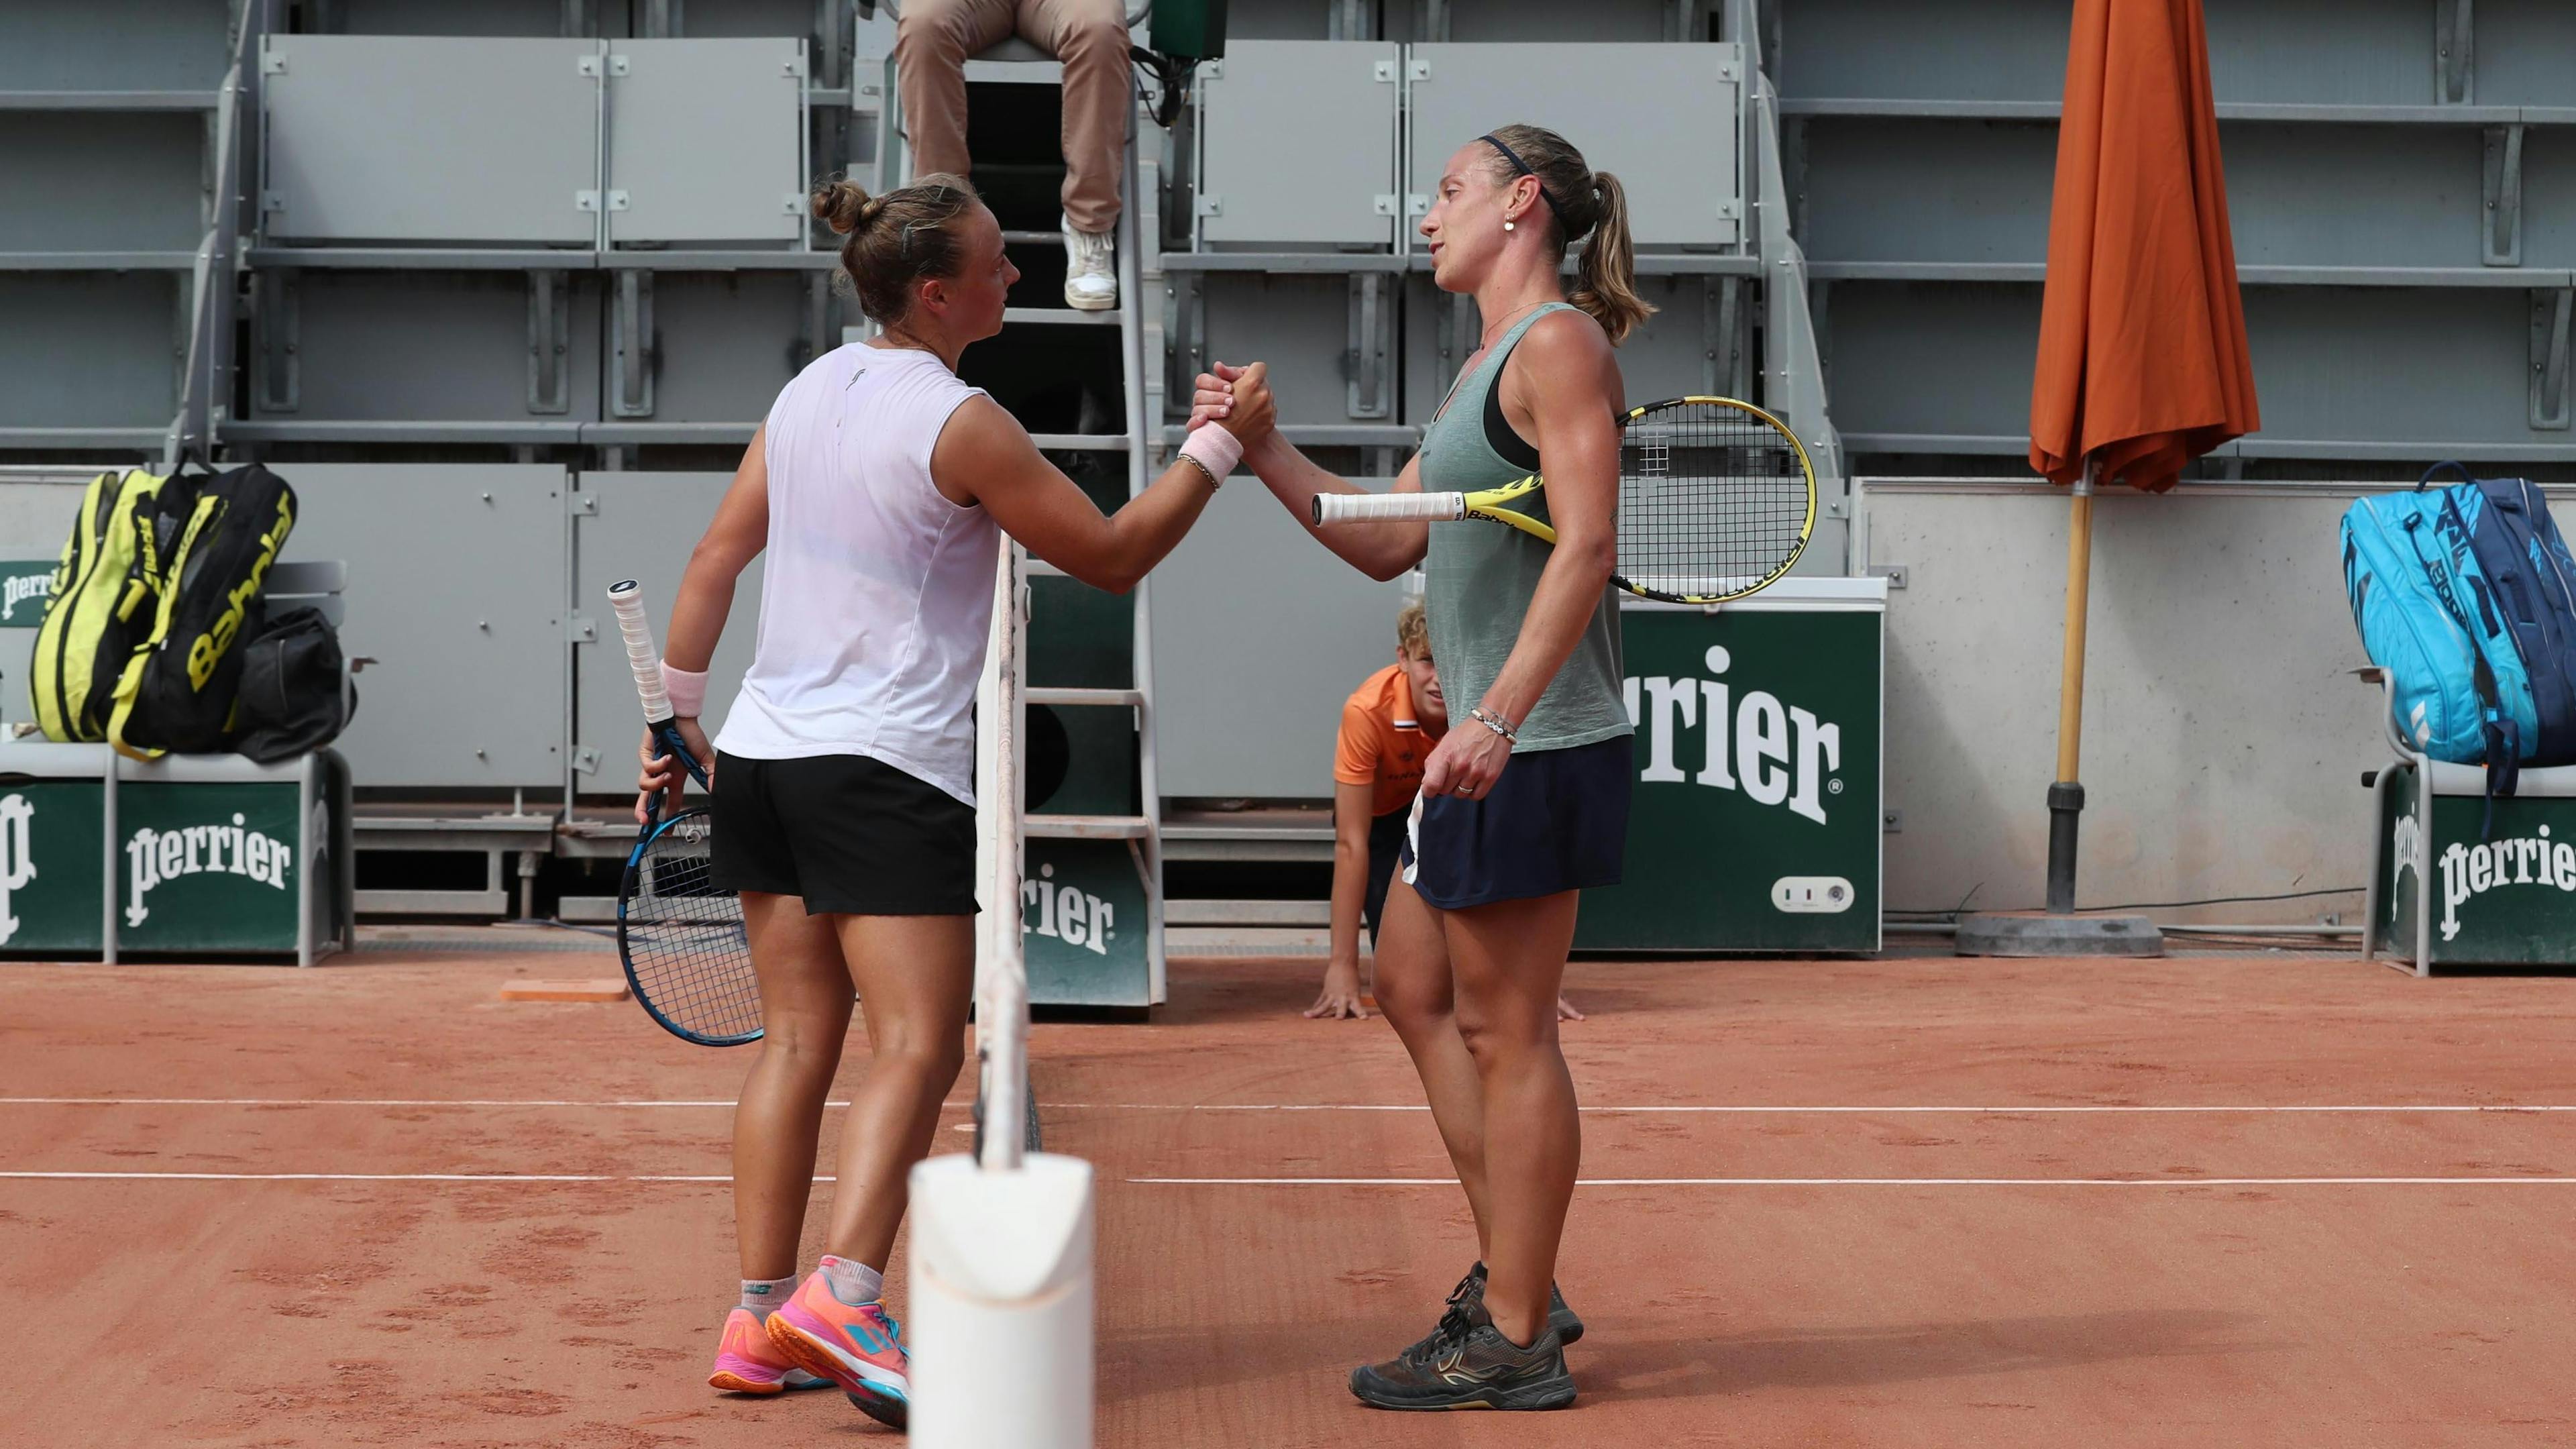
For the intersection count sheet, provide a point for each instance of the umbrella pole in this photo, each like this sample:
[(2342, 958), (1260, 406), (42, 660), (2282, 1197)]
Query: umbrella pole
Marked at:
[(2059, 932), (2066, 796)]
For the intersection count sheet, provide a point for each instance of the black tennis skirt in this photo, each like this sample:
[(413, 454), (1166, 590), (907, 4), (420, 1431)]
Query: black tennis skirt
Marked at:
[(852, 835), (1556, 820)]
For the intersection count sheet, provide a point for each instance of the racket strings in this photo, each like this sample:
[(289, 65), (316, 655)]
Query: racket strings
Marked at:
[(1712, 499), (684, 938)]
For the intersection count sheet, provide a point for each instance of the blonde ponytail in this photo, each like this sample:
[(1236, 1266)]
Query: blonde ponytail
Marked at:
[(1605, 276)]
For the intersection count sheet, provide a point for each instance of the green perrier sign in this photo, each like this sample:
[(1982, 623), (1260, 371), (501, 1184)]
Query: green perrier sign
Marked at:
[(206, 867), (50, 863), (2488, 882), (1082, 923), (1755, 822), (26, 585)]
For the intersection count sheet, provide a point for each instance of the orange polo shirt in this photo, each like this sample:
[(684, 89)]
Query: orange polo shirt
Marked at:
[(1381, 743)]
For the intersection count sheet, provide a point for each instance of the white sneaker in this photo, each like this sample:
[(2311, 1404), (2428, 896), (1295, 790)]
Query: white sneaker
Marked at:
[(1090, 270)]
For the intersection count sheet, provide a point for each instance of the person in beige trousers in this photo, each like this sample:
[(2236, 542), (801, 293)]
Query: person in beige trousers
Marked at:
[(933, 38)]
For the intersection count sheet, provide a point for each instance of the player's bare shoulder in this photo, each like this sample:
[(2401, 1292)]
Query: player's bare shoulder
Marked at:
[(1565, 348)]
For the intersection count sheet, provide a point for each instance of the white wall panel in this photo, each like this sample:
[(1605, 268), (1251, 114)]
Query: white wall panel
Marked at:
[(2223, 739)]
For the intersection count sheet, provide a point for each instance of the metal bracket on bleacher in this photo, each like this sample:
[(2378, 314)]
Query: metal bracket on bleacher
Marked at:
[(2455, 52), (1185, 323), (549, 341), (1458, 324), (1722, 336), (2552, 312), (273, 315), (2500, 239), (1372, 323), (818, 334), (631, 344)]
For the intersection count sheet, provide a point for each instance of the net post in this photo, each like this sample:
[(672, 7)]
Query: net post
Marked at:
[(1002, 1245), (1001, 967)]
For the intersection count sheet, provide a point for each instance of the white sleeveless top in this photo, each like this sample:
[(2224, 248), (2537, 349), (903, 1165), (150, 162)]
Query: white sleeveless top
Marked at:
[(877, 597)]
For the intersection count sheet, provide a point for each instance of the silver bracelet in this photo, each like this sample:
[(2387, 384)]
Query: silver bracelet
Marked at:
[(1495, 723), (1214, 482)]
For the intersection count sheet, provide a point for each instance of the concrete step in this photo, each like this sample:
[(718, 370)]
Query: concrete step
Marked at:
[(1248, 913)]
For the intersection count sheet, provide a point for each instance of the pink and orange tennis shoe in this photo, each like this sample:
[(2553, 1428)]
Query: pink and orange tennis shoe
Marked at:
[(747, 1364), (860, 1349)]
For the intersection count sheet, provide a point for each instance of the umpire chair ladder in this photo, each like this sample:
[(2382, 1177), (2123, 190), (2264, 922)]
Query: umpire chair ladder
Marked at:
[(1015, 61)]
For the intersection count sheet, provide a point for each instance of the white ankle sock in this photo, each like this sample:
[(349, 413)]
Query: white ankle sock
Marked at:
[(763, 1294), (853, 1283)]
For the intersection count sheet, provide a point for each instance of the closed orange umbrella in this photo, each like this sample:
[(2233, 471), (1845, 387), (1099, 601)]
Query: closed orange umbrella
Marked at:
[(2142, 362)]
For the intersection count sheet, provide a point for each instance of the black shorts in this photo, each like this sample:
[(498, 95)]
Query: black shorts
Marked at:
[(1386, 842), (1556, 820), (852, 835)]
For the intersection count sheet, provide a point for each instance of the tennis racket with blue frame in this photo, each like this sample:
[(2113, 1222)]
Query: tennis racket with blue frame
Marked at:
[(679, 936)]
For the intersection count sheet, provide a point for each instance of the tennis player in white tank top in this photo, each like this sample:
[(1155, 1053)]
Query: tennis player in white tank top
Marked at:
[(879, 487)]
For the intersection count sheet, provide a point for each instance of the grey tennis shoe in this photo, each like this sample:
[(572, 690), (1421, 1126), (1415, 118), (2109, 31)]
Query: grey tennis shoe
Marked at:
[(1469, 1365)]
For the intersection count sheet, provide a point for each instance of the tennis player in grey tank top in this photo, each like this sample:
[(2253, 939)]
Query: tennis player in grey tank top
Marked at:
[(1524, 802)]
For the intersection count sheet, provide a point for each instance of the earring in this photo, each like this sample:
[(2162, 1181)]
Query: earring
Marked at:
[(1507, 226)]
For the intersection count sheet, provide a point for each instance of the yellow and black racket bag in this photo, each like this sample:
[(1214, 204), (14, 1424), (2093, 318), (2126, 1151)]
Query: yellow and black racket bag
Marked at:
[(106, 599), (177, 690)]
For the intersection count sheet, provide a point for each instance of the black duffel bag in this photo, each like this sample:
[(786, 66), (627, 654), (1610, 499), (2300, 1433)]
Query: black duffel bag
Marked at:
[(293, 697)]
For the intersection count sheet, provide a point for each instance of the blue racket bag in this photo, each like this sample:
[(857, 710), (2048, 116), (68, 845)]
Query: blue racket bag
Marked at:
[(2429, 616), (2527, 566)]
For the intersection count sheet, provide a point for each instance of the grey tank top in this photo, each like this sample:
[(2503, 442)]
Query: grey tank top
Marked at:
[(1478, 579)]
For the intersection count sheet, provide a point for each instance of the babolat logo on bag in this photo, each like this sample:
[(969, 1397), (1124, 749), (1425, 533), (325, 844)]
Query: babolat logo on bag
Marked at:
[(1777, 754), (157, 857), (2470, 871), (17, 858), (207, 648)]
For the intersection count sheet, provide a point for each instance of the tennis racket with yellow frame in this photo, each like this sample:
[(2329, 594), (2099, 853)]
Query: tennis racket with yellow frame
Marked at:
[(1717, 499)]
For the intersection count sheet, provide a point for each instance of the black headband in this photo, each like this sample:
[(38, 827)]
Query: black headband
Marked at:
[(1523, 167)]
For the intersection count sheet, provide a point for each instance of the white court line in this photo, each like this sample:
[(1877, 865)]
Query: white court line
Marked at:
[(1868, 1181), (727, 1103), (1965, 1111), (511, 1177), (2389, 1108), (575, 1177)]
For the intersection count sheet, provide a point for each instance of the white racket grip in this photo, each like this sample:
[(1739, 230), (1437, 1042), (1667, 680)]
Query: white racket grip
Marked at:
[(627, 600), (1380, 507)]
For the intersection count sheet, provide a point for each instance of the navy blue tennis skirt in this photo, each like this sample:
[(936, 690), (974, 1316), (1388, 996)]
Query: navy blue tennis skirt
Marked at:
[(1556, 820)]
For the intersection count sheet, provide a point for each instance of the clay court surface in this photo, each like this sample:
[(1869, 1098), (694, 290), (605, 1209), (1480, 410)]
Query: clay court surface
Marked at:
[(1922, 1201)]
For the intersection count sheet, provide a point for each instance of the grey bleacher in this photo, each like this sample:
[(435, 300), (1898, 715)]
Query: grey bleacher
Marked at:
[(1292, 249), (115, 119), (2398, 180), (599, 241)]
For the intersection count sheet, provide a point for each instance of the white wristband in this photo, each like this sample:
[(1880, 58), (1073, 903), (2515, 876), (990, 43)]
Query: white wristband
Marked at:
[(1213, 448), (688, 691)]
